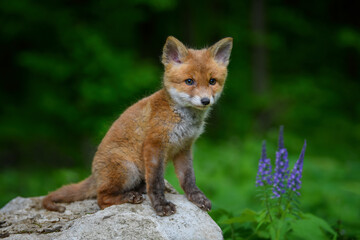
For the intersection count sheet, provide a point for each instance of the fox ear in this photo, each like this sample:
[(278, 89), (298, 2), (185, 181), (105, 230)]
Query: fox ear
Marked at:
[(174, 51), (221, 50)]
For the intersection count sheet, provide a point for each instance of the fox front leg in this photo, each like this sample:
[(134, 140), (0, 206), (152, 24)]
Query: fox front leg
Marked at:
[(155, 185), (185, 173)]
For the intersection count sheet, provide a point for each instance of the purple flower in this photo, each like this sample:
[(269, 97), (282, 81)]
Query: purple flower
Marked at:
[(294, 182), (264, 172), (281, 138), (281, 167)]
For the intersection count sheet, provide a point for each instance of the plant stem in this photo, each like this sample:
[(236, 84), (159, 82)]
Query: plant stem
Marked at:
[(280, 209), (283, 214), (267, 204), (232, 232), (287, 205)]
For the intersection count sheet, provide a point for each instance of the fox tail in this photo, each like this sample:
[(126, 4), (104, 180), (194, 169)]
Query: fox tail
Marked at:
[(70, 193)]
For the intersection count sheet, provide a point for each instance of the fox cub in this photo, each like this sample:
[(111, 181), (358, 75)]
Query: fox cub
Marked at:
[(130, 160)]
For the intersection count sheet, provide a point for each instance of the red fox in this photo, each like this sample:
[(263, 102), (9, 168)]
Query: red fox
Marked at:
[(130, 159)]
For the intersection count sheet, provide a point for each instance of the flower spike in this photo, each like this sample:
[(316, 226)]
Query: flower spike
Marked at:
[(263, 155), (281, 138), (294, 183), (264, 176), (281, 167)]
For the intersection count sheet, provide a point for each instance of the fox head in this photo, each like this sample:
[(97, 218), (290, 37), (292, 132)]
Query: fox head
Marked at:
[(195, 78)]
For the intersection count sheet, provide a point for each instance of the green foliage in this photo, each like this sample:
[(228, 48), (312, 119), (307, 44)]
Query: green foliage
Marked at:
[(231, 188), (311, 227), (257, 225)]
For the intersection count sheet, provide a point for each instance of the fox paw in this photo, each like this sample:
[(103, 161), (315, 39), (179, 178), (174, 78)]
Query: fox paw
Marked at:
[(165, 209), (200, 200), (134, 197)]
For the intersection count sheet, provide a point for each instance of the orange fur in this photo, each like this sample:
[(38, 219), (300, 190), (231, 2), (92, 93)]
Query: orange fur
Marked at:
[(156, 129)]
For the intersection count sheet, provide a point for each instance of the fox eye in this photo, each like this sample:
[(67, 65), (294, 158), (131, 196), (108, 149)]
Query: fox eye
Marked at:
[(212, 81), (189, 81)]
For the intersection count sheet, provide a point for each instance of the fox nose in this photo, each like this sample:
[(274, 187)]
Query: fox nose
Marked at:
[(205, 101)]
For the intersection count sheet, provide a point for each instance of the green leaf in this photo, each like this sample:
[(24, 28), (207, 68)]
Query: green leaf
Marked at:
[(305, 229), (320, 223), (311, 227), (261, 219), (296, 215), (247, 215), (278, 229)]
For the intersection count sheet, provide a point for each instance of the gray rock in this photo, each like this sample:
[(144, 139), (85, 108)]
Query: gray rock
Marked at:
[(23, 218)]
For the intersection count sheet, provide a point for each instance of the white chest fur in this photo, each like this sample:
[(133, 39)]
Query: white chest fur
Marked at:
[(190, 126)]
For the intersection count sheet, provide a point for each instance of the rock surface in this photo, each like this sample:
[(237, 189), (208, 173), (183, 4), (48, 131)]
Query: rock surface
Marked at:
[(23, 218)]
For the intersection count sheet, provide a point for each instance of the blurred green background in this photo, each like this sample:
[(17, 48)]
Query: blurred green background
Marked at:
[(69, 68)]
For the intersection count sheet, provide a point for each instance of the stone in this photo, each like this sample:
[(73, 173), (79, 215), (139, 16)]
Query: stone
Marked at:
[(24, 218)]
